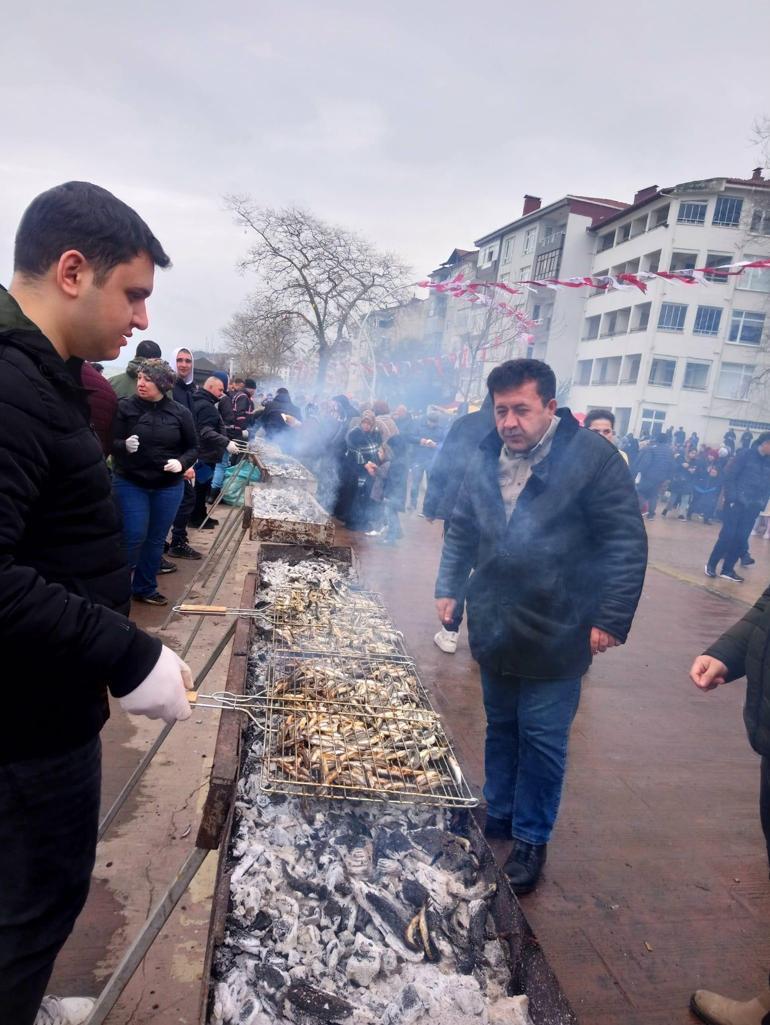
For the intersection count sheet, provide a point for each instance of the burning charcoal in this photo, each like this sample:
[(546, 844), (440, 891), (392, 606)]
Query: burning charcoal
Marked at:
[(364, 962), (307, 887), (388, 842), (260, 922), (414, 893), (473, 957), (325, 1006), (269, 978)]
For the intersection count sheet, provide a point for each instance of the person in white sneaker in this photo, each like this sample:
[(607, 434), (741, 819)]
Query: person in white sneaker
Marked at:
[(84, 266)]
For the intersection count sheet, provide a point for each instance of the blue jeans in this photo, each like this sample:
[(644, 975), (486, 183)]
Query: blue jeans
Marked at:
[(219, 471), (49, 813), (147, 515), (525, 755)]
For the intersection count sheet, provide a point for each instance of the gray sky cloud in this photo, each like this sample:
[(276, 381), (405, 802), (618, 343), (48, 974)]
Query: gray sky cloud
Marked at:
[(419, 127)]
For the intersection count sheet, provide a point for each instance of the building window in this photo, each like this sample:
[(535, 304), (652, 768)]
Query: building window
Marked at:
[(651, 261), (760, 220), (583, 373), (624, 232), (662, 372), (682, 261), (716, 260), (652, 422), (524, 273), (727, 212), (507, 249), (641, 317), (591, 328), (529, 240), (671, 317), (631, 365), (622, 419), (490, 255), (659, 216), (607, 370), (746, 326), (707, 320), (692, 213), (696, 376), (606, 241), (547, 264), (734, 380), (754, 279)]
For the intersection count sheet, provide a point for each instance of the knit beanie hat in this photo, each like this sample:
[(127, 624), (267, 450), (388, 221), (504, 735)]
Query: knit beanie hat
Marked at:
[(159, 372)]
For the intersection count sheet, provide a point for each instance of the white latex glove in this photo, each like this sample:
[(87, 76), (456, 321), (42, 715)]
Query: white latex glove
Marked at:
[(161, 695), (245, 434), (232, 448), (173, 466), (132, 443)]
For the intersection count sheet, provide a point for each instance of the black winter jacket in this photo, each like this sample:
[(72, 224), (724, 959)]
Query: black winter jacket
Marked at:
[(448, 469), (165, 430), (572, 556), (747, 478), (183, 393), (64, 585), (745, 650), (655, 464), (212, 440)]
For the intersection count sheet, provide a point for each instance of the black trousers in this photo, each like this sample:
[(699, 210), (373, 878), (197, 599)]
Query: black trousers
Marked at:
[(49, 814), (186, 506), (733, 540)]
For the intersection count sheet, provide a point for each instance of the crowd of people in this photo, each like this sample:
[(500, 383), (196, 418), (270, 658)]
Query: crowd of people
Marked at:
[(544, 547)]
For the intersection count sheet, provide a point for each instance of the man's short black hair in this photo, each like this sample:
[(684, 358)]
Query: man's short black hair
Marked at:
[(82, 216), (250, 383), (763, 437), (516, 372), (147, 349), (599, 414)]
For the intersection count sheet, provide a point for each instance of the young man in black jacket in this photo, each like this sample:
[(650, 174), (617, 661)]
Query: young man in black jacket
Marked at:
[(83, 271), (548, 520), (747, 489)]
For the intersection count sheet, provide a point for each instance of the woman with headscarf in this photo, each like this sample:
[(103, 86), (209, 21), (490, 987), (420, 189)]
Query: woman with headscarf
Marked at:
[(154, 442), (364, 452)]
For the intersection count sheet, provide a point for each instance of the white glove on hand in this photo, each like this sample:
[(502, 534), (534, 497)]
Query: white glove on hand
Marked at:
[(232, 448), (173, 466), (161, 695), (132, 443), (245, 434)]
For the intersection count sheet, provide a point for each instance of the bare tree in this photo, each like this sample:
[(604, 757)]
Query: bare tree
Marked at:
[(320, 276), (261, 340)]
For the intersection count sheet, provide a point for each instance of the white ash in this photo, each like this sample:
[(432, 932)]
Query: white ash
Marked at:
[(287, 504), (289, 469), (321, 574), (319, 894)]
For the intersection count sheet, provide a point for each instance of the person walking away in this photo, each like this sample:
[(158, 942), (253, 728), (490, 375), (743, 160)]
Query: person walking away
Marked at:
[(84, 265), (654, 467), (154, 443), (364, 446), (444, 481), (746, 491), (746, 439), (742, 651), (124, 385), (729, 440), (179, 546), (212, 443), (427, 436), (549, 522), (602, 421), (679, 437), (682, 483)]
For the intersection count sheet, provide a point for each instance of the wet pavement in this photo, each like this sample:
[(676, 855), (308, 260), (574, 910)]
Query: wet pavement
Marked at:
[(656, 881)]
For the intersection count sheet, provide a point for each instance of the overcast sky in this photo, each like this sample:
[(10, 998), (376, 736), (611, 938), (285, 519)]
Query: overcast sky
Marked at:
[(419, 125)]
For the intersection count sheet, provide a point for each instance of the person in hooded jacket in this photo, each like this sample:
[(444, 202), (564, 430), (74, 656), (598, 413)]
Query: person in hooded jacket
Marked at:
[(125, 384), (444, 480), (548, 521), (154, 443)]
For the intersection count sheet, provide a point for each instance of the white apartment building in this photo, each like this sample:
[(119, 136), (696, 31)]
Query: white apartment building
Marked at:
[(546, 241), (694, 355)]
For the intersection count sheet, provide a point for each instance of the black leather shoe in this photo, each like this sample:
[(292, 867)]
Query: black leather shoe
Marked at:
[(524, 865), (497, 829), (747, 560)]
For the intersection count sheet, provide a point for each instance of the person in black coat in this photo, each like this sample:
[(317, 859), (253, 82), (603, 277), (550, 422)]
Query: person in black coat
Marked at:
[(154, 443), (83, 268), (746, 490), (548, 520), (183, 391), (655, 466), (212, 444)]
